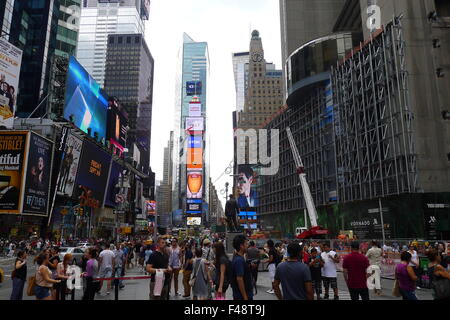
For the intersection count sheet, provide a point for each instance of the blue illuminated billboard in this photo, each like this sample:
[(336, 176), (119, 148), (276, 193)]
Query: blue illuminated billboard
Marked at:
[(193, 88), (86, 103)]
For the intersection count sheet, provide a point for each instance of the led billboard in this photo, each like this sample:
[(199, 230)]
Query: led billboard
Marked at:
[(194, 221), (13, 152), (69, 165), (36, 192), (195, 142), (195, 124), (151, 207), (86, 103), (10, 63), (113, 181), (195, 109), (194, 158), (193, 88), (93, 173), (248, 196), (117, 125), (194, 184)]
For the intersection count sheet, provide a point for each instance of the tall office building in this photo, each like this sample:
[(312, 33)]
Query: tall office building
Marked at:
[(381, 114), (240, 69), (165, 204), (6, 13), (263, 87), (305, 20), (129, 77), (101, 18), (191, 86), (44, 30)]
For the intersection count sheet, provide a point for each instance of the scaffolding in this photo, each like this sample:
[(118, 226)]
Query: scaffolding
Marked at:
[(373, 132)]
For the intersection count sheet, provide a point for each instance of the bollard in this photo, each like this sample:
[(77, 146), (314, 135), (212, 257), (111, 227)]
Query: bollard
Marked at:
[(116, 289)]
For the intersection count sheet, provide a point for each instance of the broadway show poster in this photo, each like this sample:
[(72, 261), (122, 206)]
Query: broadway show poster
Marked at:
[(110, 200), (93, 174), (36, 194), (12, 157), (10, 62), (69, 165)]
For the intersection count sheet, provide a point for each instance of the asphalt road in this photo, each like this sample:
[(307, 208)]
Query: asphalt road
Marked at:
[(139, 289)]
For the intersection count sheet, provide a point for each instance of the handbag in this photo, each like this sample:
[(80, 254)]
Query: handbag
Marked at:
[(194, 277), (441, 288), (396, 289), (31, 286)]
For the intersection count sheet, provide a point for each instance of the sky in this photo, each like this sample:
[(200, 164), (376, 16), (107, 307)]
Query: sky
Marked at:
[(226, 25)]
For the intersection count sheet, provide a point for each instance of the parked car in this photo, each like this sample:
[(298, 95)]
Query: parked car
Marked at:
[(77, 253), (84, 245)]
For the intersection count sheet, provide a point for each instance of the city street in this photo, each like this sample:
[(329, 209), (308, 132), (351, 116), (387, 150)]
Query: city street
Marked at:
[(139, 289)]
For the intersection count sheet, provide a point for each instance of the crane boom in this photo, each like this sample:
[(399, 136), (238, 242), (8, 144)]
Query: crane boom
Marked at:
[(302, 175)]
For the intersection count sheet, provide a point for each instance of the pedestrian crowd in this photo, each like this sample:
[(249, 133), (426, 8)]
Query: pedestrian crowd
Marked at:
[(297, 271)]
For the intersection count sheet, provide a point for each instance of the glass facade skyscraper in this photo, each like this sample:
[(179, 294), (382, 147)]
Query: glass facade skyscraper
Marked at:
[(98, 20), (193, 67)]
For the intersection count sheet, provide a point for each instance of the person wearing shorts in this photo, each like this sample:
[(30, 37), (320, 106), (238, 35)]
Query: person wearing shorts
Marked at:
[(329, 271)]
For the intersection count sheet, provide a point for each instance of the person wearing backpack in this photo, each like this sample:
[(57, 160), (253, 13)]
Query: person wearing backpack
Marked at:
[(223, 271), (274, 260)]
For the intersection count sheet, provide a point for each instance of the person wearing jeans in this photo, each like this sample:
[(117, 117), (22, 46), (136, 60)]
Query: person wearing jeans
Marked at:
[(19, 276), (406, 277), (355, 267)]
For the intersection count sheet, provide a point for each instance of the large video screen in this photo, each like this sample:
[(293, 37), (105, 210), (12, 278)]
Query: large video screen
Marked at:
[(248, 195), (86, 103)]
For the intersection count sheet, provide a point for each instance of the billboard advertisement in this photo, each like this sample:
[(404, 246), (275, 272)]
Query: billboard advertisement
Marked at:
[(195, 124), (151, 207), (247, 179), (194, 158), (93, 174), (194, 208), (194, 184), (10, 62), (86, 103), (13, 146), (195, 142), (117, 125), (195, 109), (69, 165), (36, 192), (194, 221), (112, 190), (193, 88)]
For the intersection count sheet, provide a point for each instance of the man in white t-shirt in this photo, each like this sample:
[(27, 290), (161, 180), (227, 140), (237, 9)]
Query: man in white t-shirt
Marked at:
[(329, 270), (414, 260), (106, 261)]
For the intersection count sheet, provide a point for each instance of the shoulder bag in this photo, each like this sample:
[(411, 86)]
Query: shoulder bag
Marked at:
[(31, 286), (194, 277)]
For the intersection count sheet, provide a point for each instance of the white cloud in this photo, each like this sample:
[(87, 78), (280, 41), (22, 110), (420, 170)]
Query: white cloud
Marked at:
[(226, 25)]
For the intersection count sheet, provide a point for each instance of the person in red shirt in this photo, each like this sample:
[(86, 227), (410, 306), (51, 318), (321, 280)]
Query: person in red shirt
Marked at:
[(355, 273)]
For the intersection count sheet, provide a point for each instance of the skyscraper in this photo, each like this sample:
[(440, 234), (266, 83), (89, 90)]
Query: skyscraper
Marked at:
[(263, 85), (101, 18), (129, 77), (6, 13), (305, 20), (240, 70), (191, 86)]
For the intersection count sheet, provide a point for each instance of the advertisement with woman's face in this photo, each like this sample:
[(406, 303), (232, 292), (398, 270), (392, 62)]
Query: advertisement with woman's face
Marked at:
[(248, 196)]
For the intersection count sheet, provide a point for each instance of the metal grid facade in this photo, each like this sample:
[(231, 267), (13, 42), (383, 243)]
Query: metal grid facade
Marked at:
[(373, 125)]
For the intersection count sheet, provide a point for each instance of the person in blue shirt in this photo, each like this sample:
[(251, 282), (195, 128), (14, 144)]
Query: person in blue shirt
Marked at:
[(242, 277)]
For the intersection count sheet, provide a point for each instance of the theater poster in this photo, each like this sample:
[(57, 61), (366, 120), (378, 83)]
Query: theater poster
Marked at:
[(37, 184), (13, 153)]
